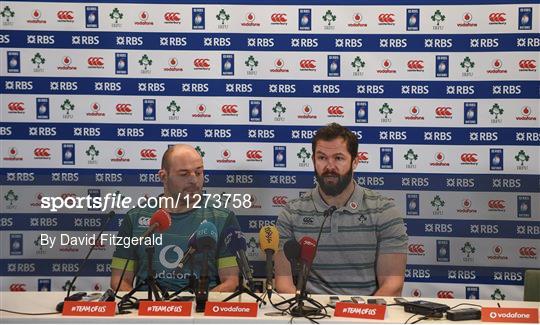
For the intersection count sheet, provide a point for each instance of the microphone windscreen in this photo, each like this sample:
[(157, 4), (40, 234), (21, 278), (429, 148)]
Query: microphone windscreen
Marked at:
[(163, 220), (269, 238), (206, 236), (308, 249), (228, 234), (238, 242), (292, 248)]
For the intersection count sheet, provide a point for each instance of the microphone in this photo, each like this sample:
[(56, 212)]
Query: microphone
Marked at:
[(308, 250), (291, 249), (160, 222), (206, 238), (236, 244), (108, 218), (269, 242), (192, 249)]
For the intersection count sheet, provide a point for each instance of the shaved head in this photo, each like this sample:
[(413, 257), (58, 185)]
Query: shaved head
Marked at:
[(179, 150), (182, 172)]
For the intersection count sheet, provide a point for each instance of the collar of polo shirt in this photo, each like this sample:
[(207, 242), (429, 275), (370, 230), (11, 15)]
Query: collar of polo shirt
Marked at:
[(352, 205)]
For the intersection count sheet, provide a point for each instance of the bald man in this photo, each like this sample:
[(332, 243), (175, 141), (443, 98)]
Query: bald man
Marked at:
[(182, 174)]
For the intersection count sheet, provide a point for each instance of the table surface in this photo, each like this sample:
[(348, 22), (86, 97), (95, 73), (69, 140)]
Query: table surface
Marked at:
[(43, 302)]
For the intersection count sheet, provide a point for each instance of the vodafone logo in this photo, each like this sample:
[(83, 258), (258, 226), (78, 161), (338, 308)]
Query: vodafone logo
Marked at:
[(172, 17), (443, 112), (415, 65), (95, 62), (164, 258), (527, 252), (66, 16), (416, 293), (16, 107), (254, 155), (386, 65), (201, 64), (416, 249), (279, 200), (235, 309), (527, 65), (229, 110), (42, 153), (148, 154), (308, 65), (526, 114), (278, 19), (445, 294), (497, 18), (386, 19), (335, 111), (529, 316), (123, 109), (17, 287)]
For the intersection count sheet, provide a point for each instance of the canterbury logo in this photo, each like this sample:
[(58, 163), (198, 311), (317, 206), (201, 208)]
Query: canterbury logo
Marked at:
[(335, 110), (527, 251), (308, 64), (415, 64), (42, 152), (172, 17), (443, 111), (254, 154), (279, 18), (279, 200), (469, 157), (229, 109), (148, 153), (497, 17), (416, 249), (445, 294), (95, 61), (16, 106), (17, 287), (527, 64), (386, 18), (123, 108), (496, 204), (65, 15), (362, 156), (201, 63), (65, 195)]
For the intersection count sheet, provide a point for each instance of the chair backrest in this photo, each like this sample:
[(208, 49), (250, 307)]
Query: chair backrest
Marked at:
[(531, 291)]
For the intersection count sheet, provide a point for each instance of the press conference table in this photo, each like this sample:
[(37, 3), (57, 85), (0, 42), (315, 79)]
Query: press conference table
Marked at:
[(42, 302)]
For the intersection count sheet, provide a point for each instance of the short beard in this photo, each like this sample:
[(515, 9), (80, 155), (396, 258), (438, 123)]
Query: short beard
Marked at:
[(341, 185)]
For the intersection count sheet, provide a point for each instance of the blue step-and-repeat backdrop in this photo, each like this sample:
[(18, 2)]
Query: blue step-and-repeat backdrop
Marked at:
[(444, 99)]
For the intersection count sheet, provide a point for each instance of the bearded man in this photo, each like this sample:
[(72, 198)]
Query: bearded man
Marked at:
[(363, 245)]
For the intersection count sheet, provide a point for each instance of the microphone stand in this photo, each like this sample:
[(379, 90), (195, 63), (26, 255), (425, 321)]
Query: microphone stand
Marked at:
[(201, 293), (155, 291), (297, 308), (242, 288), (191, 287), (108, 217)]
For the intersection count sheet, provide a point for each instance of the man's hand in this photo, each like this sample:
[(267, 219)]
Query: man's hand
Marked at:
[(127, 281), (283, 274), (229, 279), (390, 271)]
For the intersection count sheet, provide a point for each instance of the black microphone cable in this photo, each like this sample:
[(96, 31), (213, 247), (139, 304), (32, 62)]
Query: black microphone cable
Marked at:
[(109, 216)]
